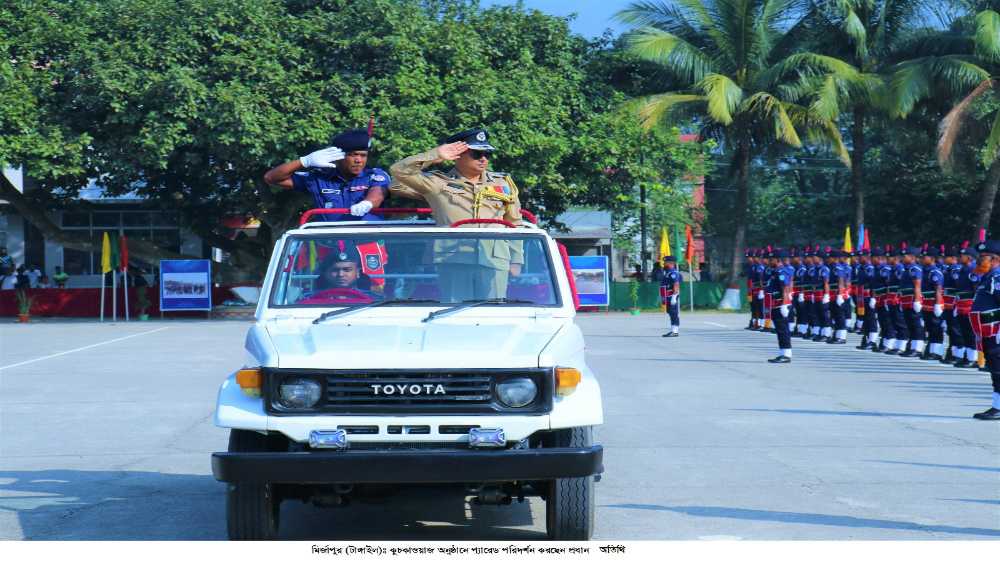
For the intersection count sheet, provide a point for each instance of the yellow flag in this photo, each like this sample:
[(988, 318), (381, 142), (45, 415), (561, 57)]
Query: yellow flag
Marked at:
[(664, 245), (848, 247), (105, 254)]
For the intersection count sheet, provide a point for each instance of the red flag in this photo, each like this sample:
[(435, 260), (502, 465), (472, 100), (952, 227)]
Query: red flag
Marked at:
[(867, 244), (689, 239), (123, 250)]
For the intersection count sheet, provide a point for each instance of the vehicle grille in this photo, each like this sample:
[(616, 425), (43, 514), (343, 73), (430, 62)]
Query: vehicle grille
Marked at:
[(399, 389), (411, 391)]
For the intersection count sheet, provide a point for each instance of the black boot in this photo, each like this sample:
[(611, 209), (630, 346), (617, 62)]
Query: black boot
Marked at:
[(863, 345), (963, 363)]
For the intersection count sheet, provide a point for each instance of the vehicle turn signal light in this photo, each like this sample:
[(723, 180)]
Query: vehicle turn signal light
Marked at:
[(249, 381), (566, 380)]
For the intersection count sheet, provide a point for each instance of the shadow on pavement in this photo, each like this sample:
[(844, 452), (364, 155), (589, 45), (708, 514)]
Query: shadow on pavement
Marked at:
[(938, 465), (807, 518), (139, 505), (856, 413)]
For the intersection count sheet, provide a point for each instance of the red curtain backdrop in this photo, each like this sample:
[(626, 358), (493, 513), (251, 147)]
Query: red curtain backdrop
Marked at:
[(87, 302)]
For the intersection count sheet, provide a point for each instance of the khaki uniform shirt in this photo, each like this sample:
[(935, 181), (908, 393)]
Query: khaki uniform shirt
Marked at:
[(453, 198)]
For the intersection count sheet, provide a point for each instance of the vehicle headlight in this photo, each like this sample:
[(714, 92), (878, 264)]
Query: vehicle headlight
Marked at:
[(517, 392), (299, 393)]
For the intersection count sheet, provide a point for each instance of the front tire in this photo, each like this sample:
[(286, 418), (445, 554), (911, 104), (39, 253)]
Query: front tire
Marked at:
[(569, 506), (251, 508)]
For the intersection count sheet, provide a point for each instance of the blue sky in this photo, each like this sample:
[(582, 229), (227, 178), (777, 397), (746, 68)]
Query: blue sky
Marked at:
[(592, 16)]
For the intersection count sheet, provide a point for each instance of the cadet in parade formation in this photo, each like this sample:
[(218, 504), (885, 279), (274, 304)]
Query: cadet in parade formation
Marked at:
[(935, 303)]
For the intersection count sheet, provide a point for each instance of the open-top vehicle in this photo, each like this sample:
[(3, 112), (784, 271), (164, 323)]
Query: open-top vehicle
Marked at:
[(448, 356)]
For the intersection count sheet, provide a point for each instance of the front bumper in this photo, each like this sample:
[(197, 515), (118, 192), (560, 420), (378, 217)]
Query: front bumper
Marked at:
[(419, 466)]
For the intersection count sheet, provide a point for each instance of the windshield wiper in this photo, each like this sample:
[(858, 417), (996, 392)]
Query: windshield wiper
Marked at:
[(362, 306), (473, 303)]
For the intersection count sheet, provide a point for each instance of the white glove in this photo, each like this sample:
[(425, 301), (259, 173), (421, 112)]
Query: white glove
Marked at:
[(359, 209), (673, 299), (760, 295), (802, 298), (917, 306), (938, 310), (323, 158), (840, 299), (826, 298), (784, 311), (871, 303)]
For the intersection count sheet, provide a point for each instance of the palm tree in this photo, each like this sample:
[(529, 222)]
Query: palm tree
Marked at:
[(871, 35), (987, 50), (733, 60)]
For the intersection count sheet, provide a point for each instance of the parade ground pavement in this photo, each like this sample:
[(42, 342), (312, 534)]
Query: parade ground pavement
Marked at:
[(106, 434)]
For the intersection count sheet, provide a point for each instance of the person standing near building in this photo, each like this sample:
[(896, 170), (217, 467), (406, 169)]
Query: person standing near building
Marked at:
[(986, 309), (337, 177), (670, 293), (779, 289), (60, 277)]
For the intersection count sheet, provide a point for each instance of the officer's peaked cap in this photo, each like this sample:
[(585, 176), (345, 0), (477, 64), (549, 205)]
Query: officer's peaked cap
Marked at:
[(352, 140), (989, 247), (669, 259), (931, 251), (477, 139), (877, 251)]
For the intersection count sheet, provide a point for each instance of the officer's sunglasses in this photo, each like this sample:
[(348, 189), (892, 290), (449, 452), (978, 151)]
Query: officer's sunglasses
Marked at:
[(476, 155)]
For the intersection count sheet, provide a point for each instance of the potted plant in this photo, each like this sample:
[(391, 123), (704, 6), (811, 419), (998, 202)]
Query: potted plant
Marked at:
[(142, 302), (24, 303), (633, 292)]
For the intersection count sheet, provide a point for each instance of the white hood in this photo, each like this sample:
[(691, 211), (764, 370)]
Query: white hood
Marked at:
[(405, 342)]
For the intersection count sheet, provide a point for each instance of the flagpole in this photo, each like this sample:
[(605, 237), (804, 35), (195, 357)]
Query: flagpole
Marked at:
[(691, 280), (102, 297), (114, 296), (125, 285)]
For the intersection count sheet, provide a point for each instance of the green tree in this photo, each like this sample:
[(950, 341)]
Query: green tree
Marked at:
[(732, 59), (187, 103)]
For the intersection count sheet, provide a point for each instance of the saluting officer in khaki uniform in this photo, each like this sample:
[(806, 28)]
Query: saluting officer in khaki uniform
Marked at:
[(469, 269)]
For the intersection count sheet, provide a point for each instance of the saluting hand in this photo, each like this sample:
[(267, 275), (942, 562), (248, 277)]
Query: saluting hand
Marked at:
[(323, 158), (451, 151)]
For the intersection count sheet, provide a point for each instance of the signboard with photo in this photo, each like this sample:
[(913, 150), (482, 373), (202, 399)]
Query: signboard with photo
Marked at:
[(185, 285), (591, 276)]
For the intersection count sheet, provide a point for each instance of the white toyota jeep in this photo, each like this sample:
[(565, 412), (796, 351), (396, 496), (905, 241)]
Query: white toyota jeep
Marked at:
[(399, 352)]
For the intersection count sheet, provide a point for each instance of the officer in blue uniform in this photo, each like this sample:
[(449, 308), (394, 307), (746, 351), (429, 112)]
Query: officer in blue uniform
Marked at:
[(952, 271), (670, 293), (910, 290), (840, 276), (883, 306), (865, 297), (814, 285), (821, 310), (965, 290), (337, 177), (895, 291), (801, 287), (932, 287), (779, 287), (986, 305)]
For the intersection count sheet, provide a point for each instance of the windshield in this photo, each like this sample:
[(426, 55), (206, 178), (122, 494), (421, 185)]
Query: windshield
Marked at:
[(333, 270)]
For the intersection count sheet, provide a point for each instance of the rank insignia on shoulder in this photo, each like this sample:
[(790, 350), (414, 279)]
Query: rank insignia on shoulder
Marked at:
[(378, 178), (502, 189)]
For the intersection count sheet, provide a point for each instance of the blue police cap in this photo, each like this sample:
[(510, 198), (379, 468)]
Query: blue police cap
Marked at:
[(877, 251), (352, 140), (669, 259), (477, 139), (931, 251), (989, 247), (781, 253)]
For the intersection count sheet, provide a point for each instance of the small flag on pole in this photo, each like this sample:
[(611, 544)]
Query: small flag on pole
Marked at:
[(689, 251), (664, 245), (105, 254), (848, 247), (867, 246), (123, 244), (982, 235)]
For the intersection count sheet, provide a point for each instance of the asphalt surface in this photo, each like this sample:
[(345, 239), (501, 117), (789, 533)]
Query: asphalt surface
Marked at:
[(106, 431)]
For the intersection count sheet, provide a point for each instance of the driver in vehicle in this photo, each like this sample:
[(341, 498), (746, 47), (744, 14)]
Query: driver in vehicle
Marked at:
[(468, 270), (340, 277)]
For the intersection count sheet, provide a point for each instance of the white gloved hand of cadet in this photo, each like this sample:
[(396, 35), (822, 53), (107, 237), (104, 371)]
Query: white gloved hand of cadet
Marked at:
[(871, 303), (760, 295), (359, 209), (784, 311), (917, 306), (323, 158), (938, 310), (802, 298), (826, 298), (840, 299), (673, 299)]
